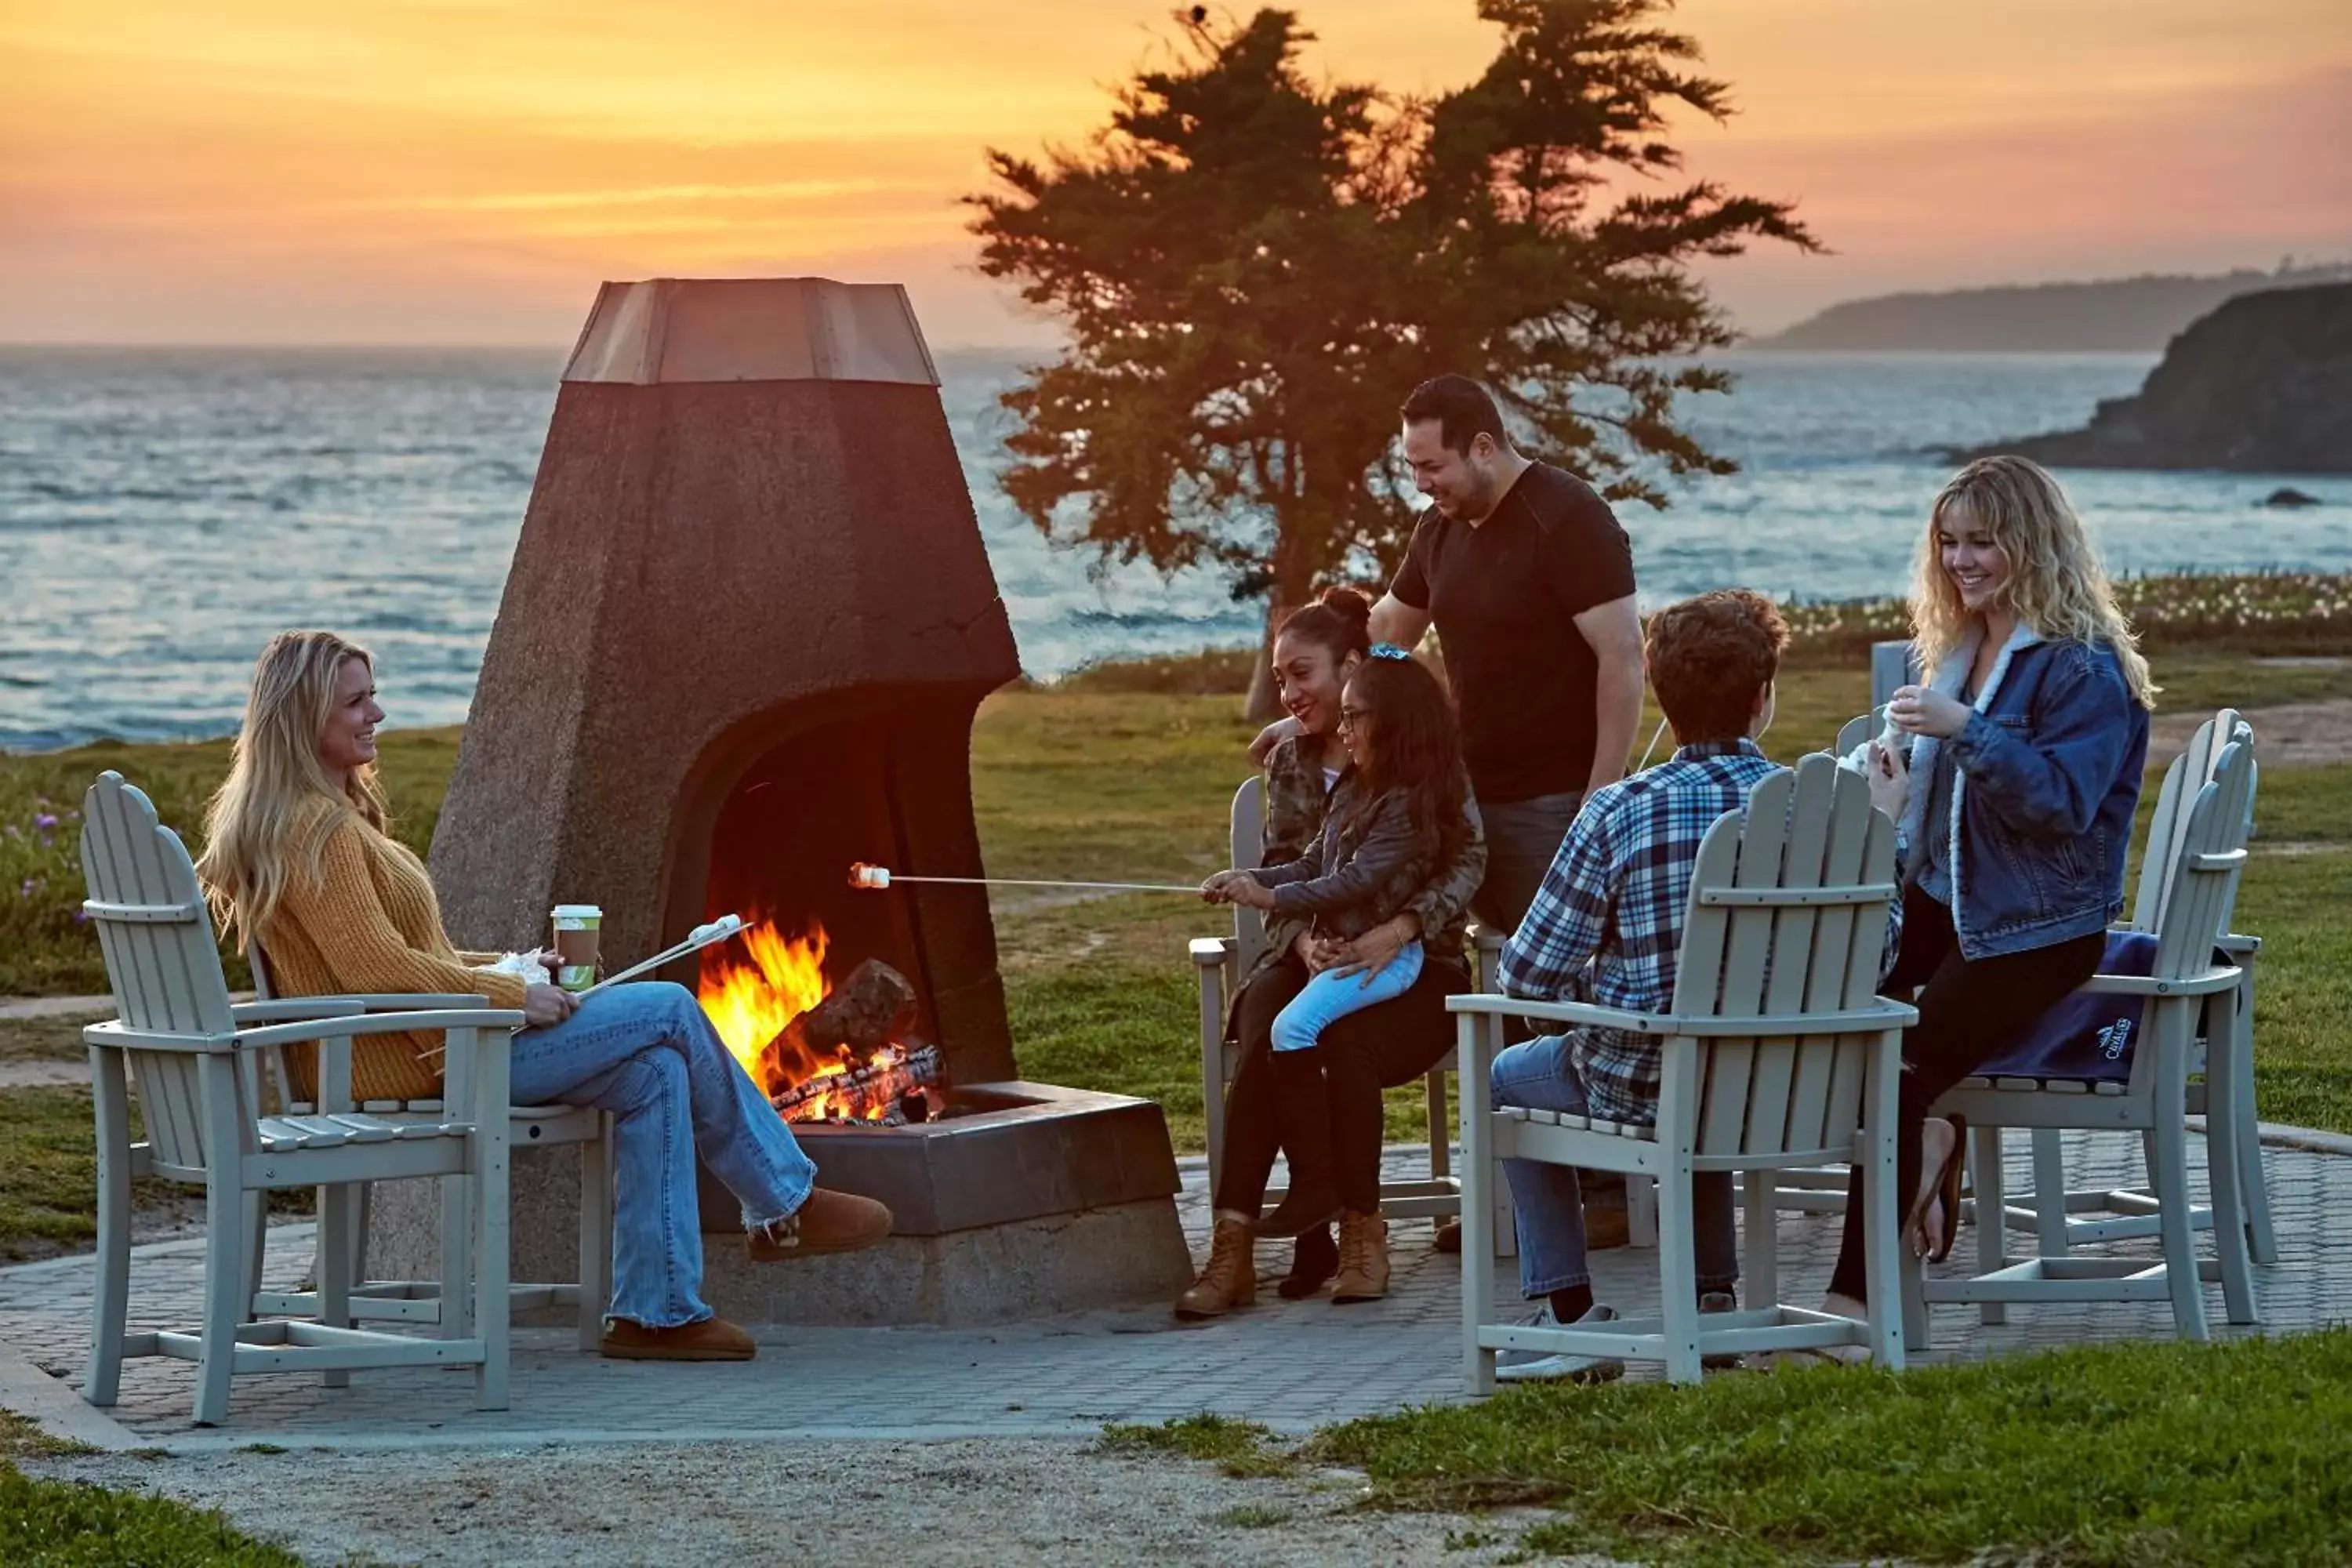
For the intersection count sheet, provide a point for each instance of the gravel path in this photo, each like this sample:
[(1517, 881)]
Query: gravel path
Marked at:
[(959, 1504)]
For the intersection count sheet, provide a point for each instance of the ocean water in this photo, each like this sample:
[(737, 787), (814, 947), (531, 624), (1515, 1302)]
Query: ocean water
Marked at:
[(162, 512)]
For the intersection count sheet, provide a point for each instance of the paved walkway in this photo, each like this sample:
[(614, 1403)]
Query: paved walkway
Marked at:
[(1291, 1366)]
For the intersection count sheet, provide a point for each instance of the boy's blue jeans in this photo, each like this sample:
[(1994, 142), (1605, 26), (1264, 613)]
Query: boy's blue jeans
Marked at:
[(646, 1053), (1334, 994), (1548, 1204)]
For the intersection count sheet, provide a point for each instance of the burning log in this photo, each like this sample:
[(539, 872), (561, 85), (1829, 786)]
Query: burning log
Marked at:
[(866, 1012), (875, 1092)]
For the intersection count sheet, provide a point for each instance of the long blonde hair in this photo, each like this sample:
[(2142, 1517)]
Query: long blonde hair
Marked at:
[(278, 806), (2055, 584)]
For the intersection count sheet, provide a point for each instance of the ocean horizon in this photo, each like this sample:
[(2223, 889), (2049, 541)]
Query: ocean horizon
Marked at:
[(162, 511)]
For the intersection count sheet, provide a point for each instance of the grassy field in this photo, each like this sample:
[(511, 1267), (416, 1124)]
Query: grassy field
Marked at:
[(2132, 1456)]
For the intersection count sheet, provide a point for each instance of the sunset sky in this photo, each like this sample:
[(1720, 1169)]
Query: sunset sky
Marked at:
[(465, 171)]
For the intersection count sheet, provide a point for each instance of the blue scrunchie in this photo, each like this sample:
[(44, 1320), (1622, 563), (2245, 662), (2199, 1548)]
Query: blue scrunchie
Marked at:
[(1389, 651)]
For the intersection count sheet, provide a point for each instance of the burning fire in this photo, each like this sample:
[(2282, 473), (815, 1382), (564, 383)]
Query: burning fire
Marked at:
[(752, 1005)]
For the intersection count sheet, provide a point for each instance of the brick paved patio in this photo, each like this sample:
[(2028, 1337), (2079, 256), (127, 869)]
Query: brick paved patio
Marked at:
[(1291, 1366)]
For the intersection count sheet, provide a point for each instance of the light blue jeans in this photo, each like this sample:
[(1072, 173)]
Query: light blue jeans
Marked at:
[(1548, 1204), (1332, 996), (645, 1052)]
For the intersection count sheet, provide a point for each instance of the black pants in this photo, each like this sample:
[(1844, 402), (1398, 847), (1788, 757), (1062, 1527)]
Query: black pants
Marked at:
[(1969, 1011), (1393, 1043)]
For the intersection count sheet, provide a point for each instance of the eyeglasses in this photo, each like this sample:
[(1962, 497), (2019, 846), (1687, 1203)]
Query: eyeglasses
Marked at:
[(1352, 717)]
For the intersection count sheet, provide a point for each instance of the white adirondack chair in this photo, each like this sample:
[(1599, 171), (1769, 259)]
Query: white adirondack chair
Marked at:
[(2224, 1046), (194, 1058), (1778, 1054), (530, 1126), (2201, 873), (1221, 961)]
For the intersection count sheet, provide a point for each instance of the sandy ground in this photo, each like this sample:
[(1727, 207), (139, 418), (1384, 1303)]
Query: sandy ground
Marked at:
[(963, 1504)]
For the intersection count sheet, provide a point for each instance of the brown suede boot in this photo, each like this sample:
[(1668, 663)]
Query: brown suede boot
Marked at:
[(827, 1221), (1363, 1259), (1228, 1280), (713, 1339)]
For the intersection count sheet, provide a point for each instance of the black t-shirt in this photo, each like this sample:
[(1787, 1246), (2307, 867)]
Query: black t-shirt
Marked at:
[(1504, 596)]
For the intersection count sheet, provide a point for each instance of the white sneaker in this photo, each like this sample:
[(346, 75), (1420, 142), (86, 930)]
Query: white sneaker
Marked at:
[(1535, 1366)]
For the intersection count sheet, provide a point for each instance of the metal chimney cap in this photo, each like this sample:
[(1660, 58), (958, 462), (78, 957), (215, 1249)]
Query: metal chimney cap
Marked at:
[(668, 331)]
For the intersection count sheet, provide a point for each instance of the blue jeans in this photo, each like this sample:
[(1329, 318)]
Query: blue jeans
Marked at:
[(645, 1052), (1331, 995), (1548, 1202)]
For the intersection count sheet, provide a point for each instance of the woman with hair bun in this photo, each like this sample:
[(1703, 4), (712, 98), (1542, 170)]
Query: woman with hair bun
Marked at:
[(1317, 651)]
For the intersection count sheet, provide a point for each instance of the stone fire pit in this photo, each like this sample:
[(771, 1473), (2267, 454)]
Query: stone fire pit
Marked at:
[(748, 624)]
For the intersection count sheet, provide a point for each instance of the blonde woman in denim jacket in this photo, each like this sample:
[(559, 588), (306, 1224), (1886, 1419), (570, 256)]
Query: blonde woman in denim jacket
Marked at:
[(2012, 777)]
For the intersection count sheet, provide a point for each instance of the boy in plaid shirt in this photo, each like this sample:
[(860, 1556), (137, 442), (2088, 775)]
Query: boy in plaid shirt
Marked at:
[(1605, 928)]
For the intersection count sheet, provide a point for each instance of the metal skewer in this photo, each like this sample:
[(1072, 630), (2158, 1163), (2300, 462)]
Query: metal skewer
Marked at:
[(876, 879)]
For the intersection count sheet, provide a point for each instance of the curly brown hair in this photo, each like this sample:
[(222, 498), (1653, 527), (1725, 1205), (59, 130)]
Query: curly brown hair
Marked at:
[(1709, 657)]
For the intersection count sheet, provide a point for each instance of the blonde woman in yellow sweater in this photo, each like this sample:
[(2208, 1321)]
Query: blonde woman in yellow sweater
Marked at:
[(296, 859)]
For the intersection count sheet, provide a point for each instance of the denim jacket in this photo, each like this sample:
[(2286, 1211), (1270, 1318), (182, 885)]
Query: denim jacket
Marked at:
[(2048, 773)]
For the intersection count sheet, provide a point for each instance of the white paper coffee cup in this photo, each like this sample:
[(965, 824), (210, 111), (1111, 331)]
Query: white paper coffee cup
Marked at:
[(579, 928)]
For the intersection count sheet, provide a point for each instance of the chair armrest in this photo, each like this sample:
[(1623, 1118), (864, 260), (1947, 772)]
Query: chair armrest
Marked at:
[(2237, 944), (1211, 951), (1864, 1020), (380, 1024), (287, 1010), (2222, 977)]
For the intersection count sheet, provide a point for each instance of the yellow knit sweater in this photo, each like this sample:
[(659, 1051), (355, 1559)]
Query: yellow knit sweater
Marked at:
[(369, 923)]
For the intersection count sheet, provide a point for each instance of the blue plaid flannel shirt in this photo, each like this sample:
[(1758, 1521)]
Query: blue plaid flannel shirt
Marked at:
[(1608, 921)]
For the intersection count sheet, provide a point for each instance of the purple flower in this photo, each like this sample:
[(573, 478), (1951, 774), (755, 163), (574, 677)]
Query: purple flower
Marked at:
[(26, 890), (46, 821), (82, 917)]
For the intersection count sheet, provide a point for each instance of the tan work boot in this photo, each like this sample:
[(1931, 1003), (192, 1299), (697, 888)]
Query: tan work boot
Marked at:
[(1363, 1259), (827, 1221), (713, 1339), (1228, 1280)]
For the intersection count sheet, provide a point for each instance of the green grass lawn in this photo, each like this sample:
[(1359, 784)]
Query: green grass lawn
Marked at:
[(2129, 1456)]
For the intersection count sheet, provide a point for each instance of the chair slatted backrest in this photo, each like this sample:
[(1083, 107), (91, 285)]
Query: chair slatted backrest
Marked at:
[(2204, 858), (161, 959), (1788, 914), (1855, 731), (1247, 847), (2182, 778)]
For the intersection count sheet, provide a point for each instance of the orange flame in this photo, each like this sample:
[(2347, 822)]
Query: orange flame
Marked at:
[(750, 1003)]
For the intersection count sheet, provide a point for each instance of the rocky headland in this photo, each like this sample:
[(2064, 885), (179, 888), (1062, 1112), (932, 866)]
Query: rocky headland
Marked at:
[(2264, 385)]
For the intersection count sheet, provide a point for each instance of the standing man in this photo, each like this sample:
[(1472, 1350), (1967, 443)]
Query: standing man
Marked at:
[(1529, 579)]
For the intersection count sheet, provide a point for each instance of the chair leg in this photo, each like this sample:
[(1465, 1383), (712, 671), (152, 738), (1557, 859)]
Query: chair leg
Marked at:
[(1761, 1244), (2253, 1184), (2174, 1225), (595, 1234), (492, 1261), (1993, 1229), (2223, 1166), (1480, 1202), (225, 1300), (334, 1265), (457, 1253), (2049, 1193), (1441, 1130), (1678, 1273), (101, 1383), (1641, 1211)]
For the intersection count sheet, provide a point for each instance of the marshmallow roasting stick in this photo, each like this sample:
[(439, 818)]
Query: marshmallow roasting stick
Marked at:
[(695, 940), (875, 878)]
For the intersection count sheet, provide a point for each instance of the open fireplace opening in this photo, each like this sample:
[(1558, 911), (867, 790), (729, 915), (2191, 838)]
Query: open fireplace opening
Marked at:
[(822, 998)]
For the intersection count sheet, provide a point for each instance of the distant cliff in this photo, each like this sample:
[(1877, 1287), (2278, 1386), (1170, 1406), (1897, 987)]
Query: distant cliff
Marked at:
[(2262, 386), (2124, 315)]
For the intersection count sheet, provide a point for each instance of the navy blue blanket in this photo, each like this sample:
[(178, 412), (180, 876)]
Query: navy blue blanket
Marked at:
[(2087, 1035)]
